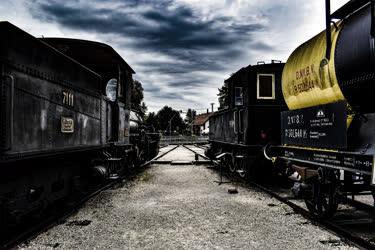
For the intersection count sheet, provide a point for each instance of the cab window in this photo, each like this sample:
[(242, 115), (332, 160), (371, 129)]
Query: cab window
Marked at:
[(265, 86), (238, 96)]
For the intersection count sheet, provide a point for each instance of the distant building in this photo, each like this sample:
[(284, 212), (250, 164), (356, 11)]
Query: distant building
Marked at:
[(201, 124)]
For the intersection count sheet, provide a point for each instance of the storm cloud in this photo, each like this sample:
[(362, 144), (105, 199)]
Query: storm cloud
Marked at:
[(181, 50), (174, 31)]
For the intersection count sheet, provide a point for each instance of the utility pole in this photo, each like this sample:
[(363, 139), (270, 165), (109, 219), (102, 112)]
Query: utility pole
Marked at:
[(170, 123), (212, 107)]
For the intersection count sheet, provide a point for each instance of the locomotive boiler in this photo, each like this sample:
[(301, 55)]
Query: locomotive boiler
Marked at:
[(328, 134)]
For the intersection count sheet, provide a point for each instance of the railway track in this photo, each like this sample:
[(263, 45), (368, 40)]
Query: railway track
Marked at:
[(350, 235), (333, 225), (351, 230), (51, 221), (31, 231), (200, 152)]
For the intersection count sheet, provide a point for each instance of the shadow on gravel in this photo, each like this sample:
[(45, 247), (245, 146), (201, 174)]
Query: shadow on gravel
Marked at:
[(81, 223), (332, 243)]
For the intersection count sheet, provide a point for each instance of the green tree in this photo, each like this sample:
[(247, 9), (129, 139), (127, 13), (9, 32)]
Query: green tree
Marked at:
[(137, 98), (152, 120), (190, 116), (143, 109), (167, 116), (223, 97)]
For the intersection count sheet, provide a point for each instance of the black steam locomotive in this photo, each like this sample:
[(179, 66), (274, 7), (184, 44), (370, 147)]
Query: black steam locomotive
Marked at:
[(326, 140), (65, 120), (239, 132)]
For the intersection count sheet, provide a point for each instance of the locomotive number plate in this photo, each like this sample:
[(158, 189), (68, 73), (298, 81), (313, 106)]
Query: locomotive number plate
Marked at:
[(68, 98), (67, 125), (321, 126)]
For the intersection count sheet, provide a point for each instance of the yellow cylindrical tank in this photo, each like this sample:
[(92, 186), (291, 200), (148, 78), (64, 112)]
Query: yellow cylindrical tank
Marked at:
[(309, 79)]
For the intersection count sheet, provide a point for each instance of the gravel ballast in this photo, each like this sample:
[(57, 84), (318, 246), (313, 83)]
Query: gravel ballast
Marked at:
[(180, 206)]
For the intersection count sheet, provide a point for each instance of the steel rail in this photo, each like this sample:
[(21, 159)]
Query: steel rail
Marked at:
[(345, 235), (54, 220), (163, 154), (203, 156)]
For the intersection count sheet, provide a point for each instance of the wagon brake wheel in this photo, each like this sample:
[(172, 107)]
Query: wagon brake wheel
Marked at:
[(323, 199)]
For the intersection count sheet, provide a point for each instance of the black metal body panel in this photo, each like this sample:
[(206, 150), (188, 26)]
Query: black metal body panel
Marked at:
[(6, 111), (124, 126), (36, 82), (222, 126), (349, 8), (51, 104), (105, 61), (100, 58), (37, 113), (361, 134), (34, 57), (247, 79), (355, 61)]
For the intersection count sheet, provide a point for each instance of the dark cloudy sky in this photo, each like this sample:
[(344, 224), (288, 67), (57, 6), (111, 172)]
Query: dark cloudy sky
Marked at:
[(182, 50)]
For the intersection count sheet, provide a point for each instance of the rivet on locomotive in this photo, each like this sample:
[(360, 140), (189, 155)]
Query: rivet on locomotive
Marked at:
[(326, 138), (66, 123)]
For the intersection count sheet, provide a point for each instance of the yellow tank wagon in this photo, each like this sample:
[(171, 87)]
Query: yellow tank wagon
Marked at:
[(328, 134), (309, 79)]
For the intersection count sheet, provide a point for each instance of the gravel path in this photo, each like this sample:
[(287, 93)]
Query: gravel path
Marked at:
[(180, 206)]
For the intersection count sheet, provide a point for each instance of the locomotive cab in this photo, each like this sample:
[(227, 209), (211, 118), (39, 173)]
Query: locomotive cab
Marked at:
[(116, 77), (254, 93), (252, 118)]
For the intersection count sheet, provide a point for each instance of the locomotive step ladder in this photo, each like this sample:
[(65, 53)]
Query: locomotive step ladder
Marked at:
[(241, 171), (113, 166), (218, 157)]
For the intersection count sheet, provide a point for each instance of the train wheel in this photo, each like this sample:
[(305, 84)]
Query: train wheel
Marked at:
[(322, 200)]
